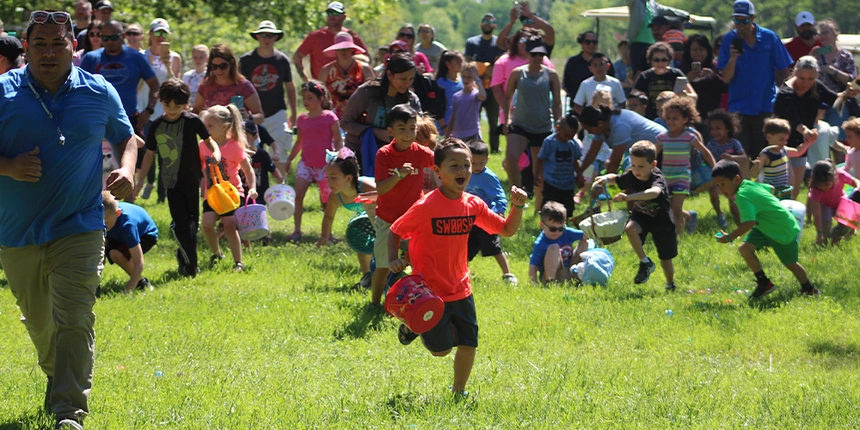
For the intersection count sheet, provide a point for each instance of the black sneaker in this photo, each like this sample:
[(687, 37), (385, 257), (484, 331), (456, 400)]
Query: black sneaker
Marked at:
[(762, 290), (214, 259), (405, 335), (144, 285), (810, 291), (645, 270), (671, 287), (180, 262)]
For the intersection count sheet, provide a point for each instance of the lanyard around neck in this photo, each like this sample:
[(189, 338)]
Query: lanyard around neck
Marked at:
[(50, 115)]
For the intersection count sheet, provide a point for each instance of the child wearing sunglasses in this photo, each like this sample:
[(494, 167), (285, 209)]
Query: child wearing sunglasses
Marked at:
[(554, 254)]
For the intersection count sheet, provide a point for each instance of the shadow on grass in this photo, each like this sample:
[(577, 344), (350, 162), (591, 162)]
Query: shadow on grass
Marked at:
[(403, 405), (834, 349), (29, 421), (366, 318)]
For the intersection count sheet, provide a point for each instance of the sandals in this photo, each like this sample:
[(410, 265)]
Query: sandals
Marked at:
[(405, 335)]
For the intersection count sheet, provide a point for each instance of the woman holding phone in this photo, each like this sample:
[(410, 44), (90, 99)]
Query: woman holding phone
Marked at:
[(660, 77), (223, 81), (837, 68), (698, 65)]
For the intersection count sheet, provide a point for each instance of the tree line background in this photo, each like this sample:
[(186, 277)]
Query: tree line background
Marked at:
[(377, 21)]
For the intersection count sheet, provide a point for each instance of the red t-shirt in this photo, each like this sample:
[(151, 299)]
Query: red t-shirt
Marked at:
[(319, 40), (395, 202), (797, 48), (438, 229), (222, 94)]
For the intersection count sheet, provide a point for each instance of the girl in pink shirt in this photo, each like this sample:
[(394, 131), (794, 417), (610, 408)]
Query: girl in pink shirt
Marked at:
[(319, 131), (225, 127), (825, 191)]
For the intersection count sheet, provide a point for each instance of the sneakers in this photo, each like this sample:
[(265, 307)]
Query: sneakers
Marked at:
[(809, 291), (645, 270), (238, 267), (405, 335), (721, 221), (762, 289), (147, 191), (691, 225), (510, 279), (144, 285), (69, 424), (671, 287)]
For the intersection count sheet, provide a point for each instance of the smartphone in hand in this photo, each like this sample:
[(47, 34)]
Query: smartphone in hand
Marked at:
[(738, 44)]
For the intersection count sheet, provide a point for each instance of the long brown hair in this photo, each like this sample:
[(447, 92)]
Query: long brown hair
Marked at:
[(222, 51)]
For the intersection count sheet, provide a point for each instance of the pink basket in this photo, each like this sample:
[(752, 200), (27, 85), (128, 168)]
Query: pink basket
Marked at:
[(252, 221), (848, 213)]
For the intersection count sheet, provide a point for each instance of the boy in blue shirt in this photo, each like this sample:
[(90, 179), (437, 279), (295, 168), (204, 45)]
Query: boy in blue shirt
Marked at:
[(553, 254), (557, 163), (131, 232), (486, 185)]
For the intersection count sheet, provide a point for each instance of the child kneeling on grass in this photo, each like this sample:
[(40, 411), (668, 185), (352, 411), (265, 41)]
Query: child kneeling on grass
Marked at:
[(553, 253), (131, 232), (645, 186), (768, 223), (439, 227)]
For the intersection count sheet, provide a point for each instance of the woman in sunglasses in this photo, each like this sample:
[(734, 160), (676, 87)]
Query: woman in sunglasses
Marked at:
[(660, 77), (406, 34), (92, 41), (223, 82)]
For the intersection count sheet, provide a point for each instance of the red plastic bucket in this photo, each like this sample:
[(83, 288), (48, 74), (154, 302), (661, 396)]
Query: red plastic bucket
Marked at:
[(411, 301), (848, 213)]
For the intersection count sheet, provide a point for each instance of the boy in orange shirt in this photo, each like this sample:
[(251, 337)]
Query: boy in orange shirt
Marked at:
[(399, 172), (438, 227)]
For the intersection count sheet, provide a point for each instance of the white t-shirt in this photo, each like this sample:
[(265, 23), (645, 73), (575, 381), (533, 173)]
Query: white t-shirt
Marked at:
[(160, 74), (589, 86), (820, 150), (193, 79)]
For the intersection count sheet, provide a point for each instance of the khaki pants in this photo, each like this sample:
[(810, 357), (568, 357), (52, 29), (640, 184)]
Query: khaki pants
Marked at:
[(55, 287)]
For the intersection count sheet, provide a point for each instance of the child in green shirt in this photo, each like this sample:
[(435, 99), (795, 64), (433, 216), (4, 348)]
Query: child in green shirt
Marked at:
[(768, 224)]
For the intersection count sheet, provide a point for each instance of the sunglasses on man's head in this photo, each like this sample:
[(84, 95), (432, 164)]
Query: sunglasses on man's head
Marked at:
[(740, 21), (42, 17), (160, 33), (554, 229), (112, 38), (405, 35), (222, 66)]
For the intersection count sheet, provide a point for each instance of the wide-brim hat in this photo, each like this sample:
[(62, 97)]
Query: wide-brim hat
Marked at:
[(343, 40), (267, 27)]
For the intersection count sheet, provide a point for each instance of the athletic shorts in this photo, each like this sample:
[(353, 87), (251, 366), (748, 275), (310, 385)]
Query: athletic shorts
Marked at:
[(487, 244), (458, 327), (786, 252), (662, 231), (146, 243), (535, 139)]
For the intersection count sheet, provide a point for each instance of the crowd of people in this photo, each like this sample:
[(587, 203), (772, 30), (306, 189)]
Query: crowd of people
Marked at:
[(742, 116)]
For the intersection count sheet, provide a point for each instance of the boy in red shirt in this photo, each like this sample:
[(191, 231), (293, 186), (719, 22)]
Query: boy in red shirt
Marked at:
[(399, 172), (439, 227)]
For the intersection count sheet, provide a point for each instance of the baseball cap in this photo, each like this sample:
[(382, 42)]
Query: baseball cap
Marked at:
[(159, 24), (804, 18), (104, 4), (336, 6), (743, 8), (250, 127), (10, 47), (536, 47), (659, 20)]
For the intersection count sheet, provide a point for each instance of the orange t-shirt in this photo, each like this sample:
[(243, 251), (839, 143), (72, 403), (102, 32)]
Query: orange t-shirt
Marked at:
[(438, 229)]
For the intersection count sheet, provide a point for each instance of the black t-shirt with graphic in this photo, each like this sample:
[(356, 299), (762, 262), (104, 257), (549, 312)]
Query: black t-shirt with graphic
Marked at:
[(629, 185), (177, 146), (268, 76), (653, 84)]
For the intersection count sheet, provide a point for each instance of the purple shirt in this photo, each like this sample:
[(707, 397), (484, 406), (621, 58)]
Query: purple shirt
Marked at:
[(468, 119)]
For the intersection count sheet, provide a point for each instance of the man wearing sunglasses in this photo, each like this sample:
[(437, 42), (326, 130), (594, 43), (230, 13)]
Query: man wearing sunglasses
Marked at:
[(319, 40), (53, 118), (754, 62), (123, 67)]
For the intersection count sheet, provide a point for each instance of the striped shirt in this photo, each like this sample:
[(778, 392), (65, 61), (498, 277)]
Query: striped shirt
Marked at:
[(676, 157), (776, 171)]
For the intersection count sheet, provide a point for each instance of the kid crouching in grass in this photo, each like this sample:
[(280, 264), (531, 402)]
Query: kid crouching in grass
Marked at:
[(825, 190), (131, 232), (438, 227), (553, 254), (645, 186), (768, 224), (485, 185)]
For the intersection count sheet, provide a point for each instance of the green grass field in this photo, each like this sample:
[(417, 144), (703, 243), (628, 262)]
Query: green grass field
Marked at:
[(290, 344)]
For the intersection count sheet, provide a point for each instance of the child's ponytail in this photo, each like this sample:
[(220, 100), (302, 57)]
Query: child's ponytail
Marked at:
[(237, 132), (823, 171)]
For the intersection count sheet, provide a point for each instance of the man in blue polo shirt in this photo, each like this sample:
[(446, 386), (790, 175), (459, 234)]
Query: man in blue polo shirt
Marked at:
[(52, 120), (123, 67), (753, 73)]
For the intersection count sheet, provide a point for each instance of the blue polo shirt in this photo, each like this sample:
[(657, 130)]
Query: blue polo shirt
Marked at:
[(123, 71), (67, 198), (753, 88)]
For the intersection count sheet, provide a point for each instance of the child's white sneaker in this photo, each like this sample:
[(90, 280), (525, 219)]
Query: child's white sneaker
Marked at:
[(510, 279)]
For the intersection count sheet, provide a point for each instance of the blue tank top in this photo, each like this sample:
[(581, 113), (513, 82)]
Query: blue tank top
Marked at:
[(353, 206)]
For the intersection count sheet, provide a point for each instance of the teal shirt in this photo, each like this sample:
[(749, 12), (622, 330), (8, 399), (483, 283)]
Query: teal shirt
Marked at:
[(756, 203)]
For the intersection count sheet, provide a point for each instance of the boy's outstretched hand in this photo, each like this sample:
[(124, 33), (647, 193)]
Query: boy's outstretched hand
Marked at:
[(518, 196)]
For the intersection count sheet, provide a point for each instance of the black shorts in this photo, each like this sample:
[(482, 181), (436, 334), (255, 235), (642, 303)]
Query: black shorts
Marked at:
[(207, 208), (535, 139), (458, 327), (487, 244), (662, 231), (553, 194), (146, 243)]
